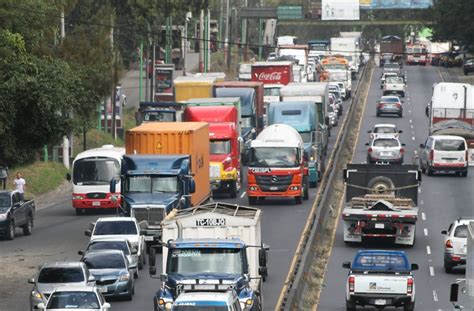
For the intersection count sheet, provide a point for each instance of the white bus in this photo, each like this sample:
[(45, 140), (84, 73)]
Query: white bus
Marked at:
[(92, 171)]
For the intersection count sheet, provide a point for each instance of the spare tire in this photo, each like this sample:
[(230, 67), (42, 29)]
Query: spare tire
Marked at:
[(381, 185)]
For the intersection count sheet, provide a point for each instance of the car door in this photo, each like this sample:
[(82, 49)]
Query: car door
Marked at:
[(18, 210), (426, 151)]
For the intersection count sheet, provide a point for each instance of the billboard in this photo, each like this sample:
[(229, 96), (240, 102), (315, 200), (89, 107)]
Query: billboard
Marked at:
[(340, 10), (395, 4)]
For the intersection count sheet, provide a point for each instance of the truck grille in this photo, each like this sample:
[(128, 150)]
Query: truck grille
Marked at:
[(215, 171), (153, 215), (274, 183), (105, 282), (96, 195)]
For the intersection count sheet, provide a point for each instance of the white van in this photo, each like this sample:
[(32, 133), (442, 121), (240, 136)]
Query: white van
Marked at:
[(444, 153)]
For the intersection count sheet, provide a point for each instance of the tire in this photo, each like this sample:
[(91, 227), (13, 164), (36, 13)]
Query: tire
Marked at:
[(377, 114), (464, 174), (10, 234), (402, 94), (401, 115), (380, 183), (350, 306), (409, 307), (136, 275), (466, 73), (299, 200), (369, 160), (306, 188), (252, 200), (140, 263), (448, 268), (28, 228), (233, 189), (429, 171)]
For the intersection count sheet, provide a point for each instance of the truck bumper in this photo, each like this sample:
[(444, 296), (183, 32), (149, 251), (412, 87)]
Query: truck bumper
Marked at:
[(254, 191), (402, 233), (380, 300)]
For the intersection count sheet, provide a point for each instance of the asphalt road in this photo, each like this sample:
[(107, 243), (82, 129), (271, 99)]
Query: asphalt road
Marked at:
[(442, 199), (59, 234)]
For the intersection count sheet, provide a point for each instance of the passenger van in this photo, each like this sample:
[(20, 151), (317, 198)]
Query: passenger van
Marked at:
[(444, 153)]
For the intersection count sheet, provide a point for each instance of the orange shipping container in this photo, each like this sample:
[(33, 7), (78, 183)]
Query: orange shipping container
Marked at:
[(168, 138)]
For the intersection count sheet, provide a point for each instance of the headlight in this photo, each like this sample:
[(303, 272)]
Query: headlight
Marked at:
[(124, 277), (166, 304), (77, 197), (36, 294), (3, 216)]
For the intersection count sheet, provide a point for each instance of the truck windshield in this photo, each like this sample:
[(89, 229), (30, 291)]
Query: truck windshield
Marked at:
[(205, 260), (335, 67), (220, 146), (337, 76), (95, 171), (274, 91), (152, 184), (4, 202), (274, 157), (159, 116)]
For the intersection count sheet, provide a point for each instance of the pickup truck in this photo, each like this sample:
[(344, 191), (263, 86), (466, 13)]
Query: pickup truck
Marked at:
[(15, 212), (394, 85), (380, 278)]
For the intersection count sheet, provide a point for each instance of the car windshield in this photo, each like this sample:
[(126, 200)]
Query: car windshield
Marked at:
[(152, 184), (95, 171), (394, 79), (220, 146), (126, 227), (381, 262), (274, 157), (385, 143), (104, 261), (336, 93), (5, 202), (205, 260), (390, 100), (384, 130), (61, 275), (119, 245), (73, 300), (461, 231), (450, 145)]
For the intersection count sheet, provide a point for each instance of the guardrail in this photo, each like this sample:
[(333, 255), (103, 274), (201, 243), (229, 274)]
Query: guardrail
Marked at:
[(293, 287)]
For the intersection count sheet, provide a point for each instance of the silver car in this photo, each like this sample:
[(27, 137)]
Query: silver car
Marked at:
[(76, 297), (455, 244), (389, 105), (385, 149), (54, 274)]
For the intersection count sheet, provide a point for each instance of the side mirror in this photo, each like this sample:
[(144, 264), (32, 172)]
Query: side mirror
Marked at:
[(403, 144), (369, 131), (192, 186), (91, 279), (346, 265), (367, 144), (68, 176), (164, 277), (142, 231), (400, 131), (113, 185), (414, 267), (31, 280), (422, 145), (88, 233), (454, 292), (106, 306), (444, 232), (80, 253), (240, 139), (41, 306)]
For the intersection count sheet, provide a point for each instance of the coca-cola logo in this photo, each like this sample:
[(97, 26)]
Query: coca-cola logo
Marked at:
[(267, 76)]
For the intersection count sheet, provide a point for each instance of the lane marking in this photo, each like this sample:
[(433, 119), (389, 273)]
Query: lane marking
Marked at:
[(435, 296), (411, 125), (419, 190), (432, 271), (243, 194), (409, 111), (425, 231), (422, 202), (411, 121), (413, 138), (428, 248), (423, 216)]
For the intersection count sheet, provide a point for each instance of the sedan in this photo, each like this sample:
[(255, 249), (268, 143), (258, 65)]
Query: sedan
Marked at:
[(77, 298), (385, 149), (389, 105), (455, 244), (468, 66), (384, 129)]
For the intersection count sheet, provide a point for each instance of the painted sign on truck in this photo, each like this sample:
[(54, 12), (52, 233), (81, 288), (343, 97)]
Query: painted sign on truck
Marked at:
[(272, 72)]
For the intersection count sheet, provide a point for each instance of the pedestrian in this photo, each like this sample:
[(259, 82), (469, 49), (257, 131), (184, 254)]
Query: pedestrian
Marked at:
[(3, 175), (20, 185)]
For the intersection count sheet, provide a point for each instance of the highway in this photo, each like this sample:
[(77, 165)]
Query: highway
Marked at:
[(442, 199), (58, 235)]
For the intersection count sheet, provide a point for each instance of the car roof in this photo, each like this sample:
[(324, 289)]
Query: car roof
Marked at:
[(63, 264), (385, 125), (389, 96), (463, 221), (73, 288), (116, 219)]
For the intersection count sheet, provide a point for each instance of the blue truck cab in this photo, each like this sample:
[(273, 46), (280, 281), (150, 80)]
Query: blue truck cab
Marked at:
[(152, 186)]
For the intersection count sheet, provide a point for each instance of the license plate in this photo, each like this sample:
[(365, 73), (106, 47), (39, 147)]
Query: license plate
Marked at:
[(148, 238), (96, 203), (102, 289), (386, 153), (273, 188), (380, 302), (379, 226)]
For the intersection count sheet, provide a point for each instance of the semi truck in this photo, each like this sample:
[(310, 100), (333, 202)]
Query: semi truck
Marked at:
[(166, 167), (392, 49), (273, 72), (193, 87), (212, 247), (381, 202), (224, 139), (451, 112), (350, 48), (277, 167), (157, 112)]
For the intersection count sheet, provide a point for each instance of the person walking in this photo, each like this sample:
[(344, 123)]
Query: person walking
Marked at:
[(20, 185), (3, 175)]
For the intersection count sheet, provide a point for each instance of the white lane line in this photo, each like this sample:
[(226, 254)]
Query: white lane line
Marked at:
[(428, 248), (435, 296), (411, 121), (419, 190), (425, 231), (413, 138), (409, 111), (431, 271), (411, 125), (423, 216), (422, 202), (243, 194)]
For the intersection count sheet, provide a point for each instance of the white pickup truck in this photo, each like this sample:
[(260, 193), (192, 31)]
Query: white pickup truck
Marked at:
[(394, 85), (380, 278)]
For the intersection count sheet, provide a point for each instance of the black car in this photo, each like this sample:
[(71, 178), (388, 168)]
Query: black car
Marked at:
[(468, 66), (15, 212)]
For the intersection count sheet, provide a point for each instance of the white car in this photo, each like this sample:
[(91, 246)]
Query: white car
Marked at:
[(77, 298), (444, 153), (385, 149), (384, 129), (385, 76), (394, 85), (125, 227), (455, 244)]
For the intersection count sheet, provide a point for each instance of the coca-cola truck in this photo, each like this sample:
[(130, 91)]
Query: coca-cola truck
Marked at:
[(273, 72)]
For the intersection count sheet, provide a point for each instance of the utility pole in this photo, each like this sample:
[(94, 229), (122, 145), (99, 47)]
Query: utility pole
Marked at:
[(113, 100), (226, 43), (65, 139), (140, 82), (221, 25), (208, 37), (152, 82), (201, 41)]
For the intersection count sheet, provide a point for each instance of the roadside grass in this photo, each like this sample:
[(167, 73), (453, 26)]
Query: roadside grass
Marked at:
[(41, 177), (94, 139), (218, 63)]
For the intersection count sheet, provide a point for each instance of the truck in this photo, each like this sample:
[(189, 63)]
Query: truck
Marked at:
[(451, 112), (350, 49), (392, 49), (224, 139), (416, 54), (193, 87), (318, 48), (299, 53), (272, 72), (277, 167), (166, 167), (212, 247), (15, 212), (157, 112), (381, 202), (380, 278)]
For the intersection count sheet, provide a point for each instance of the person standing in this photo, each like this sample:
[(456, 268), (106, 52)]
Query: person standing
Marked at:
[(3, 175), (20, 185)]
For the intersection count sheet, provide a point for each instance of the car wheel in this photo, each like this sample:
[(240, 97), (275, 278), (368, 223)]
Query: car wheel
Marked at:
[(350, 306), (313, 184), (28, 228), (140, 263), (448, 268), (10, 234), (136, 275), (466, 73), (401, 115), (423, 169), (409, 307), (299, 199), (306, 188), (252, 200)]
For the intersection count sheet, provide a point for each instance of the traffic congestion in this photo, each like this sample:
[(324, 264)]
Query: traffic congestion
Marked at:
[(203, 207)]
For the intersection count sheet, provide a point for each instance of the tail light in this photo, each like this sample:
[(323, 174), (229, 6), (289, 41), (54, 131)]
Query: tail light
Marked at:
[(370, 150), (351, 284), (402, 151), (398, 105), (467, 156), (379, 105), (449, 244), (409, 286), (431, 155)]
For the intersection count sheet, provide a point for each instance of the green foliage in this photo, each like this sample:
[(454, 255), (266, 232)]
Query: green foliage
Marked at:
[(453, 21)]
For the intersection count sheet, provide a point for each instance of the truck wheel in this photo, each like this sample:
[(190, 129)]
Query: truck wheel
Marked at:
[(409, 307), (299, 199), (10, 234), (252, 200), (28, 228), (233, 189), (464, 174), (350, 306), (305, 188), (380, 184)]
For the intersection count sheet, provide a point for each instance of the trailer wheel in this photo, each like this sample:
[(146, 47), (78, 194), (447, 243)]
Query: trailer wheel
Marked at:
[(299, 199), (380, 185)]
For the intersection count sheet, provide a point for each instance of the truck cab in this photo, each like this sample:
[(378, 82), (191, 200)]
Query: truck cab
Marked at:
[(157, 112)]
